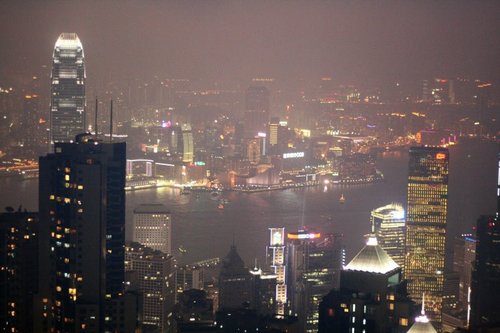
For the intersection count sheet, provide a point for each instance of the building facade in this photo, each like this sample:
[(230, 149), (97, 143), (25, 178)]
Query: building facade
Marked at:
[(82, 231), (67, 105), (153, 227), (235, 282), (276, 254), (426, 227), (485, 284), (371, 298), (18, 270), (155, 273), (314, 263), (256, 110), (388, 225)]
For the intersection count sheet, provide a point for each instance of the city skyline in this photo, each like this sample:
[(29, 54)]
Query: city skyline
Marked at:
[(232, 123)]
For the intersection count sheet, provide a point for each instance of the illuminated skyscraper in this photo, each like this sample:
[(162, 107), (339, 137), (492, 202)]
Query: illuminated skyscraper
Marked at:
[(276, 254), (426, 227), (187, 144), (388, 224), (153, 227), (256, 110), (67, 105), (314, 263)]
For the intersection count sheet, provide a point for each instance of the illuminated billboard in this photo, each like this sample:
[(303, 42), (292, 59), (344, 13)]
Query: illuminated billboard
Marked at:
[(297, 154), (299, 235)]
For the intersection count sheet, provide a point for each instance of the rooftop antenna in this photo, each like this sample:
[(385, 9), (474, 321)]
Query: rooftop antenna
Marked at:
[(423, 305), (111, 122), (95, 121)]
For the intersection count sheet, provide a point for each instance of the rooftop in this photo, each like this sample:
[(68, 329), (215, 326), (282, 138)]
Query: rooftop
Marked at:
[(68, 40), (151, 209), (372, 258)]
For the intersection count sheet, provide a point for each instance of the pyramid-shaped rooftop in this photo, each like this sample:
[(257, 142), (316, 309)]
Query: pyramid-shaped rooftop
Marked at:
[(372, 258)]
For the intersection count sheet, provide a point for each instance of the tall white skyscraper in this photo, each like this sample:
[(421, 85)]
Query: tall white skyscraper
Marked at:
[(153, 227), (67, 105), (276, 254)]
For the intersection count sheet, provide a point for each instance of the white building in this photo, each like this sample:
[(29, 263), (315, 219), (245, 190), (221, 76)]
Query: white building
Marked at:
[(153, 227)]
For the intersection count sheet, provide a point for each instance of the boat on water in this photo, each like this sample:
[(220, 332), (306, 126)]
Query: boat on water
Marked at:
[(342, 199), (220, 206)]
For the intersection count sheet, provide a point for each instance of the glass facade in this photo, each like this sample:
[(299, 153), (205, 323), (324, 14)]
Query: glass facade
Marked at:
[(426, 226), (388, 224), (67, 105)]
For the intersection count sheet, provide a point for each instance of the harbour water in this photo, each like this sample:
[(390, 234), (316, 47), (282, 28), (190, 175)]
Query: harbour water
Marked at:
[(205, 229)]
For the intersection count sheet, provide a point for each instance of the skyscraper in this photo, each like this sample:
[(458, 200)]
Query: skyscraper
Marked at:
[(371, 298), (256, 110), (234, 282), (18, 270), (314, 265), (67, 105), (156, 282), (388, 225), (485, 284), (276, 253), (426, 227), (187, 144), (464, 254), (82, 222), (153, 227)]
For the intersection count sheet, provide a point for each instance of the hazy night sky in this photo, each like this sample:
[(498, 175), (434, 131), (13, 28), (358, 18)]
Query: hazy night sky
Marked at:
[(234, 40)]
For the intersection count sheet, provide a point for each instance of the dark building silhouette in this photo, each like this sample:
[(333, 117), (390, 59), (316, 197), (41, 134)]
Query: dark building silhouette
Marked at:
[(371, 298), (263, 291), (234, 282), (314, 265), (82, 222), (194, 312), (485, 285), (18, 270), (256, 110)]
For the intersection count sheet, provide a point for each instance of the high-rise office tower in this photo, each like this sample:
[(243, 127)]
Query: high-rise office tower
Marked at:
[(464, 255), (18, 270), (155, 272), (485, 284), (187, 144), (371, 298), (256, 110), (82, 230), (67, 105), (388, 225), (276, 253), (263, 291), (314, 265), (153, 227), (426, 227)]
